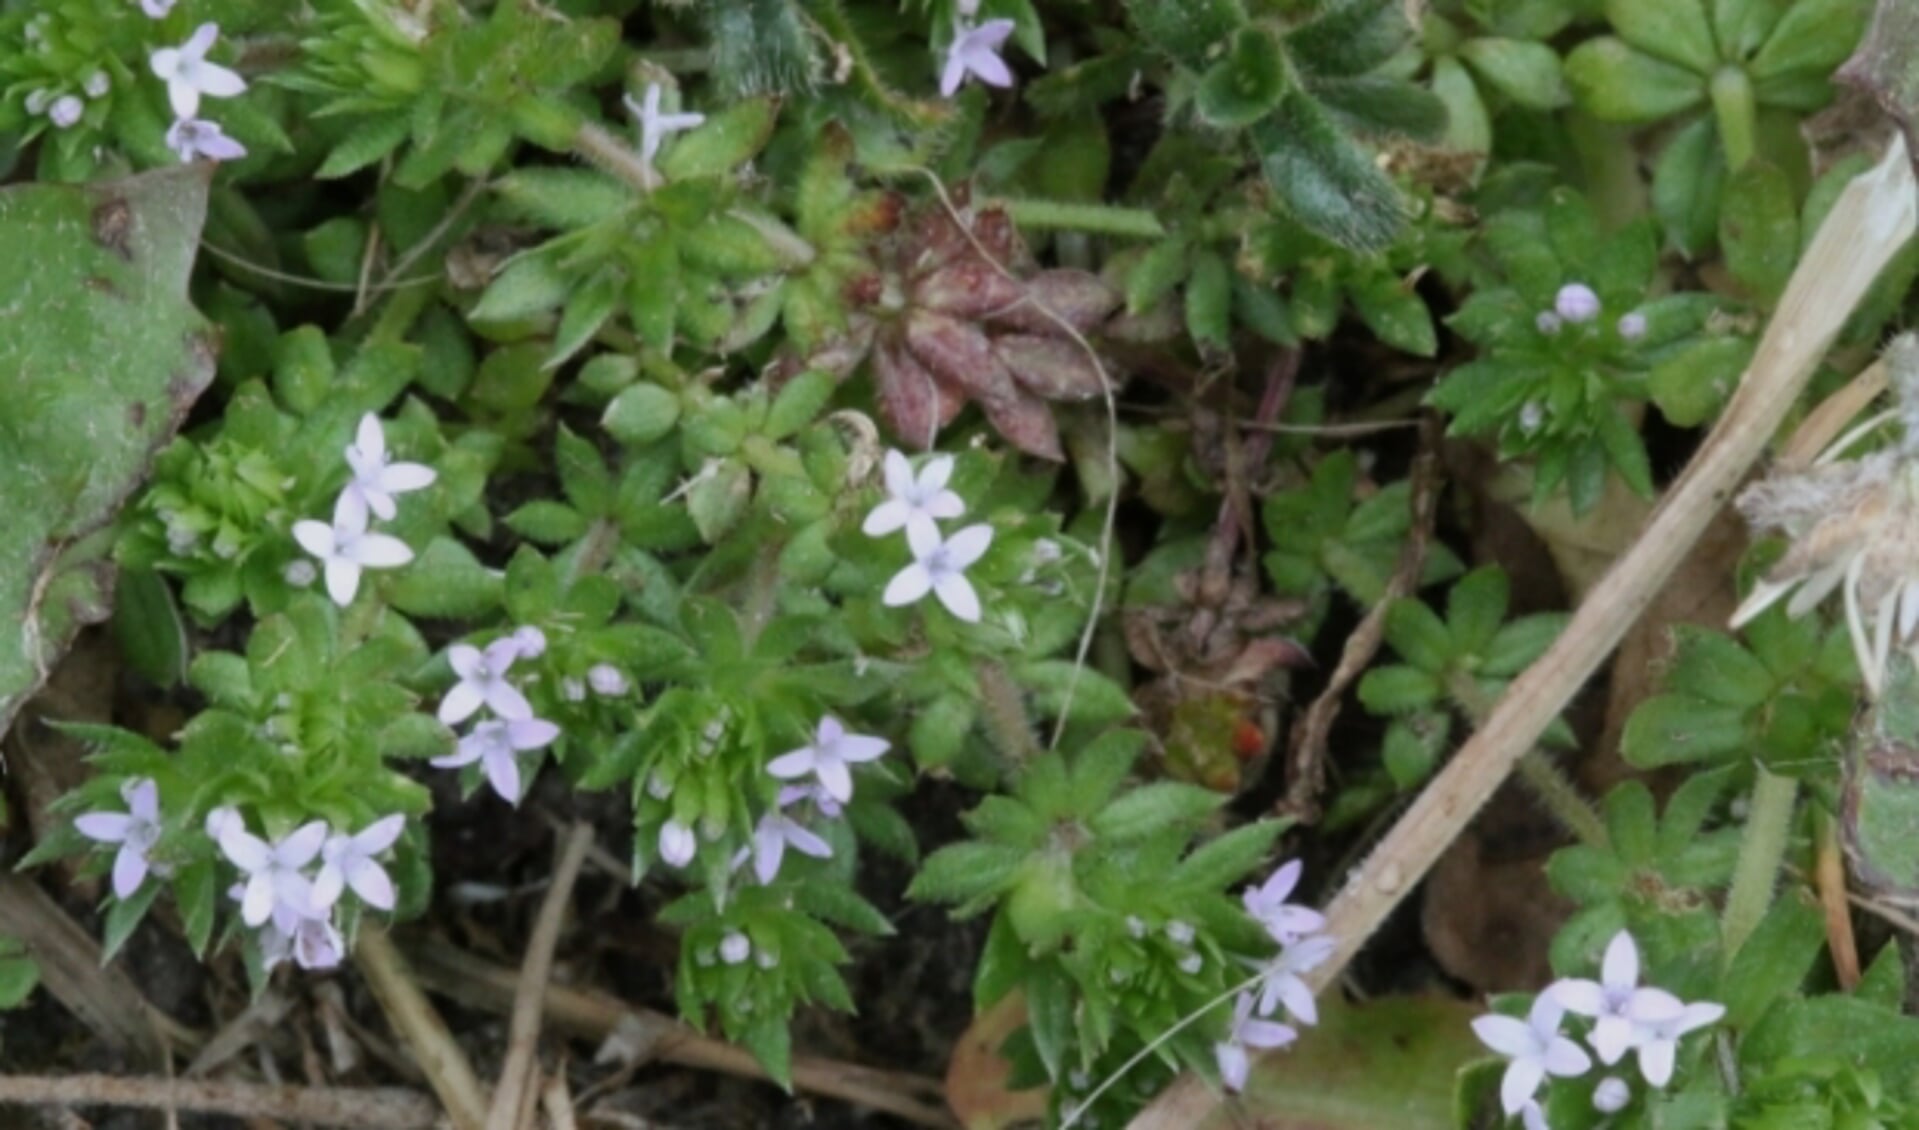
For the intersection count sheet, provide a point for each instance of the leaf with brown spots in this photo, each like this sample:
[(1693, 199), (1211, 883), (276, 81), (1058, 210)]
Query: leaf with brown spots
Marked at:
[(103, 355)]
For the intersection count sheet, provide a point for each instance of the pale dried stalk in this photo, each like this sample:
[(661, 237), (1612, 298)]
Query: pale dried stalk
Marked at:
[(1871, 221), (523, 1031), (361, 1108), (421, 1030)]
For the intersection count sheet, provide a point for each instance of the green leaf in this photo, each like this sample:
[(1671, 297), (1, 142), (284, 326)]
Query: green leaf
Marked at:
[(1397, 689), (446, 582), (1419, 636), (1527, 73), (1227, 859), (1156, 273), (1413, 745), (772, 1045), (1349, 37), (1101, 766), (1475, 609), (1391, 308), (1677, 729), (587, 309), (547, 522), (1712, 666), (718, 497), (1678, 31), (1187, 30), (115, 356), (1325, 180), (728, 140), (1209, 302), (583, 475), (1247, 84), (1813, 35), (530, 284), (147, 625), (1759, 228), (939, 731), (1154, 808), (1519, 643), (368, 143), (1687, 181), (965, 871), (19, 976), (641, 414), (1469, 128), (1774, 960), (563, 198), (1691, 385), (124, 916), (798, 404), (1382, 104), (1614, 82)]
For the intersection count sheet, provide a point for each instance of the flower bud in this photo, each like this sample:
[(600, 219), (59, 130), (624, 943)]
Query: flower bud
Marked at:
[(1612, 1095), (677, 844), (299, 573), (1546, 322), (97, 84), (734, 948), (530, 641), (1576, 303), (606, 680), (1632, 326), (65, 111)]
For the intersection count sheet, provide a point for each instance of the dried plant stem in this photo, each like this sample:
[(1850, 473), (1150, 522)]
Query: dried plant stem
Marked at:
[(1540, 773), (1761, 850), (523, 1032), (1870, 222), (1829, 874), (381, 1108), (421, 1030)]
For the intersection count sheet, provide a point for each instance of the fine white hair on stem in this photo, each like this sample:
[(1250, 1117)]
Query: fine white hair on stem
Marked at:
[(1105, 549)]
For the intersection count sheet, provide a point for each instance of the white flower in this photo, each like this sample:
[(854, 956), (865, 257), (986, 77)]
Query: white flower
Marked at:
[(496, 745), (345, 548), (1283, 983), (1535, 1047), (483, 682), (188, 75), (939, 567), (196, 137), (1576, 302), (1267, 904), (1618, 1006), (975, 51), (1612, 1095), (735, 948), (912, 501), (530, 642), (375, 480), (606, 680), (775, 832), (65, 111), (1659, 1044), (677, 843), (157, 9), (1249, 1032), (136, 831), (347, 861), (833, 749), (273, 870), (298, 932), (656, 127)]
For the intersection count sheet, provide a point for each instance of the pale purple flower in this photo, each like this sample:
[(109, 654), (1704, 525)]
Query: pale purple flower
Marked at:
[(1620, 1009), (833, 749), (920, 500), (529, 641), (656, 127), (345, 548), (1535, 1048), (735, 948), (1611, 1095), (1249, 1033), (1576, 303), (775, 832), (1659, 1040), (188, 75), (1632, 326), (136, 831), (1267, 904), (65, 111), (677, 843), (298, 932), (375, 479), (274, 871), (812, 791), (219, 819), (497, 745), (157, 9), (191, 138), (1283, 984), (606, 680), (483, 682), (939, 567), (348, 861), (975, 51)]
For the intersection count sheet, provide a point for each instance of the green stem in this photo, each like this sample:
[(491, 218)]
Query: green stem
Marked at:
[(1099, 219), (1768, 824), (1537, 769), (1005, 714), (1733, 105)]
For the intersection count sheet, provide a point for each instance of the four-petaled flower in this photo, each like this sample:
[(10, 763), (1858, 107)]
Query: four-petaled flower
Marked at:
[(348, 861), (375, 480), (1620, 1008), (1267, 904), (273, 871), (135, 830), (914, 501), (346, 547), (188, 75), (1282, 981), (483, 682), (833, 749), (939, 567), (1249, 1032), (655, 126), (776, 832), (1535, 1047), (1659, 1038), (975, 51), (497, 746), (197, 137)]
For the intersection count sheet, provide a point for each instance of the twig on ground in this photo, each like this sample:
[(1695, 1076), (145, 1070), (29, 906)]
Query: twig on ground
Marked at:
[(523, 1031), (599, 1017), (360, 1108), (557, 1100), (421, 1030), (241, 1032), (1830, 878), (1313, 728), (1873, 218)]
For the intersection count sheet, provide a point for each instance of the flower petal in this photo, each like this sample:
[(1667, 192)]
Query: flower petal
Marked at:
[(299, 846), (806, 842), (503, 773), (1656, 1060), (245, 850), (887, 517), (1620, 967), (105, 827), (1566, 1059), (197, 46), (798, 763), (1520, 1084), (327, 887), (256, 904), (861, 747), (370, 440), (968, 545), (769, 849), (342, 581), (1576, 994), (909, 585), (507, 701), (835, 779), (957, 594), (370, 881), (531, 733), (314, 537), (400, 478), (464, 658), (460, 703), (898, 473), (988, 66), (129, 871), (380, 551), (1612, 1038), (1509, 1036)]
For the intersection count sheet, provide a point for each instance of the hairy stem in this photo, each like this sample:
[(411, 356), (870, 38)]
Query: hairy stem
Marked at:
[(1538, 770), (1100, 219), (1768, 824), (1005, 714)]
